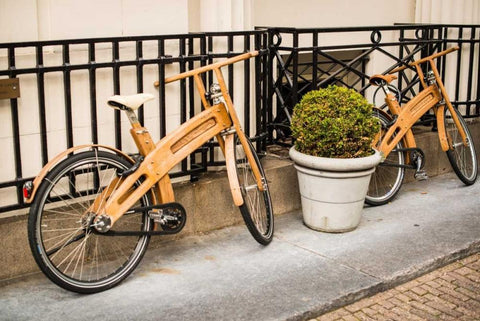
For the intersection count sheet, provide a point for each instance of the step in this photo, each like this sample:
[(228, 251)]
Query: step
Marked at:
[(209, 204)]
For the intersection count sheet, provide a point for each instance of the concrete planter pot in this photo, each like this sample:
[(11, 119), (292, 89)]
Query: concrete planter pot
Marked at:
[(333, 190)]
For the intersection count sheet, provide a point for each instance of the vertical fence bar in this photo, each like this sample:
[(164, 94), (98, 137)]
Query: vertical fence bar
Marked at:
[(183, 91), (459, 62), (230, 67), (191, 85), (93, 91), (246, 86), (295, 68), (15, 126), (258, 77), (139, 69), (67, 85), (161, 88), (401, 51), (183, 82), (116, 91), (470, 72), (314, 60), (203, 55), (41, 104), (271, 80), (477, 98), (264, 106), (444, 65), (210, 59), (209, 76)]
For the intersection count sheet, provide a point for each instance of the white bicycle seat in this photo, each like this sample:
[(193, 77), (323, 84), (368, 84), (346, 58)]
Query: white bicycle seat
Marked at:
[(132, 102)]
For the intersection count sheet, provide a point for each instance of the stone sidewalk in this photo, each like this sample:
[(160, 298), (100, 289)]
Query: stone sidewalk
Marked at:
[(226, 275), (449, 293)]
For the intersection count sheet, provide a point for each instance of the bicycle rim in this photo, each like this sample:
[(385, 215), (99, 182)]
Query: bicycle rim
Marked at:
[(462, 158), (257, 205), (66, 250)]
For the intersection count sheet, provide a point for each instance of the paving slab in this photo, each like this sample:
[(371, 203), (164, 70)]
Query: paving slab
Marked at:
[(226, 275)]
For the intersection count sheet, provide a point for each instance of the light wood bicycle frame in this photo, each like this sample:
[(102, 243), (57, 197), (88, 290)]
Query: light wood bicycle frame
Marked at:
[(160, 158), (432, 96), (220, 121)]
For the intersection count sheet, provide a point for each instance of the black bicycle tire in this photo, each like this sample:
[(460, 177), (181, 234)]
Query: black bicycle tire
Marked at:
[(263, 238), (35, 241), (392, 192), (451, 154)]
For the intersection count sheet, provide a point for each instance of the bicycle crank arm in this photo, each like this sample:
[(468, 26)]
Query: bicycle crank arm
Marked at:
[(170, 216)]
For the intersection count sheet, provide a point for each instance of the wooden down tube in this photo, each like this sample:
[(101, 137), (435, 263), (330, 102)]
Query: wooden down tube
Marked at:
[(407, 116)]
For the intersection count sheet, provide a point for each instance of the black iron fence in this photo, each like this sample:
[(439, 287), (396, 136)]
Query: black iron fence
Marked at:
[(306, 59), (76, 77), (68, 71)]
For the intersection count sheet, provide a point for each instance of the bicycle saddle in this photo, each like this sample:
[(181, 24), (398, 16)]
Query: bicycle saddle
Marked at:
[(377, 80), (132, 102)]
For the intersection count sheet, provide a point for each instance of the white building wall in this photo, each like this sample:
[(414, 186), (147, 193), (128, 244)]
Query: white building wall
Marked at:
[(29, 20), (332, 13), (32, 20)]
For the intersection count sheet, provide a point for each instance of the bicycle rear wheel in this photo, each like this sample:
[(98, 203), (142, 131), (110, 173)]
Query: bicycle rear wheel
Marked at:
[(462, 158), (61, 238), (257, 205), (388, 176)]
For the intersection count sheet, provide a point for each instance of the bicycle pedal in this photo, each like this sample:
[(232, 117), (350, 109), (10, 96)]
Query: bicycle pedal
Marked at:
[(421, 175), (170, 216)]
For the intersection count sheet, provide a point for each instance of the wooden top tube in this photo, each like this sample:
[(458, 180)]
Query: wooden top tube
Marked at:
[(429, 58), (207, 68)]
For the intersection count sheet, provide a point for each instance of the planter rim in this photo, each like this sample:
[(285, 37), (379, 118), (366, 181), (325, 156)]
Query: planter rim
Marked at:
[(335, 164)]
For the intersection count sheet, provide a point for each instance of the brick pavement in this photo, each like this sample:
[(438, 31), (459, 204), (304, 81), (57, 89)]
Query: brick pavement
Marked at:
[(448, 293)]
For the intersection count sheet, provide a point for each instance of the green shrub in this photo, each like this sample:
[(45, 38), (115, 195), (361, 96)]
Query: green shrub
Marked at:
[(334, 122)]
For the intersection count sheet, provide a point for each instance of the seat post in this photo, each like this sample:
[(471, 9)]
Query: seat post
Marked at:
[(384, 86), (132, 117)]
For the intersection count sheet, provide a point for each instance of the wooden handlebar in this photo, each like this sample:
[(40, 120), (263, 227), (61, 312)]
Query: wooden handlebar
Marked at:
[(431, 57), (210, 67)]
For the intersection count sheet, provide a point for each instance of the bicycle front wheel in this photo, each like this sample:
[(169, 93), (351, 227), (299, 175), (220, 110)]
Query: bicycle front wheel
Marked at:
[(257, 205), (462, 156), (61, 238), (388, 176)]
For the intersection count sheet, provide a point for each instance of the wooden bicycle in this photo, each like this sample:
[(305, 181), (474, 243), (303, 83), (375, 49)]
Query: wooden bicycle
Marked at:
[(397, 143), (94, 208)]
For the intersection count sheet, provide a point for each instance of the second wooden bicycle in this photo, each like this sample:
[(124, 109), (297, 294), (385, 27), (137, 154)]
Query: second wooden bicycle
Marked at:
[(94, 208), (397, 143)]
